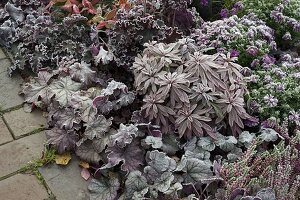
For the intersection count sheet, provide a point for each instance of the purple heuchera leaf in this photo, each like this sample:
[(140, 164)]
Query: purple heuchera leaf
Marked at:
[(114, 88), (170, 144), (88, 153), (85, 106), (67, 118), (131, 156), (124, 100), (164, 182), (81, 72), (124, 136), (6, 33), (160, 161), (103, 56), (100, 144), (61, 139), (113, 97), (96, 129), (102, 104), (155, 142), (14, 12), (38, 89)]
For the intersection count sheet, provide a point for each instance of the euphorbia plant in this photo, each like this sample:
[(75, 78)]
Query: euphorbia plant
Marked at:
[(190, 91)]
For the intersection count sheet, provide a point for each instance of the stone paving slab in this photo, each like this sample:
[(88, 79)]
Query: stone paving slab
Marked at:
[(9, 87), (5, 135), (65, 182), (16, 154), (2, 54), (22, 123), (22, 187)]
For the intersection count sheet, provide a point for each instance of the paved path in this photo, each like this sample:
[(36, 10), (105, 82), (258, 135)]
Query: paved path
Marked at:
[(21, 141)]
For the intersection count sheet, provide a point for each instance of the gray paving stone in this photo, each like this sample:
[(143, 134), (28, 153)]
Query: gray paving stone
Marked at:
[(5, 135), (22, 187), (2, 54), (16, 154), (66, 177), (21, 123), (9, 87)]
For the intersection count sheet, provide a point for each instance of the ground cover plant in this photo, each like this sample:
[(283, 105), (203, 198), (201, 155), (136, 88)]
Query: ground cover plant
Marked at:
[(160, 100)]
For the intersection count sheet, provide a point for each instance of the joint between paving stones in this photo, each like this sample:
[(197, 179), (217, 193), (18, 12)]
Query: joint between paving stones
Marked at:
[(31, 133), (22, 136), (9, 129), (8, 175), (10, 109), (38, 175)]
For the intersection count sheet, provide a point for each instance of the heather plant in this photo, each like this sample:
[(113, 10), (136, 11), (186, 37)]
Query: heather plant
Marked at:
[(275, 170), (190, 91), (286, 10), (274, 89), (245, 37), (281, 15)]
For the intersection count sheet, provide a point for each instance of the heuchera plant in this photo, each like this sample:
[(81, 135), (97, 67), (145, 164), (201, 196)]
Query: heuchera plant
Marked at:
[(145, 21), (36, 40)]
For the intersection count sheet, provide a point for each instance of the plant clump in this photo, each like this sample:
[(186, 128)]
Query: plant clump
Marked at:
[(158, 103), (189, 91)]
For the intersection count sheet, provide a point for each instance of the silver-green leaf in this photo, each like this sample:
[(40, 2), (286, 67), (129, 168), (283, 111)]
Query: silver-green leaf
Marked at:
[(206, 143), (103, 188)]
